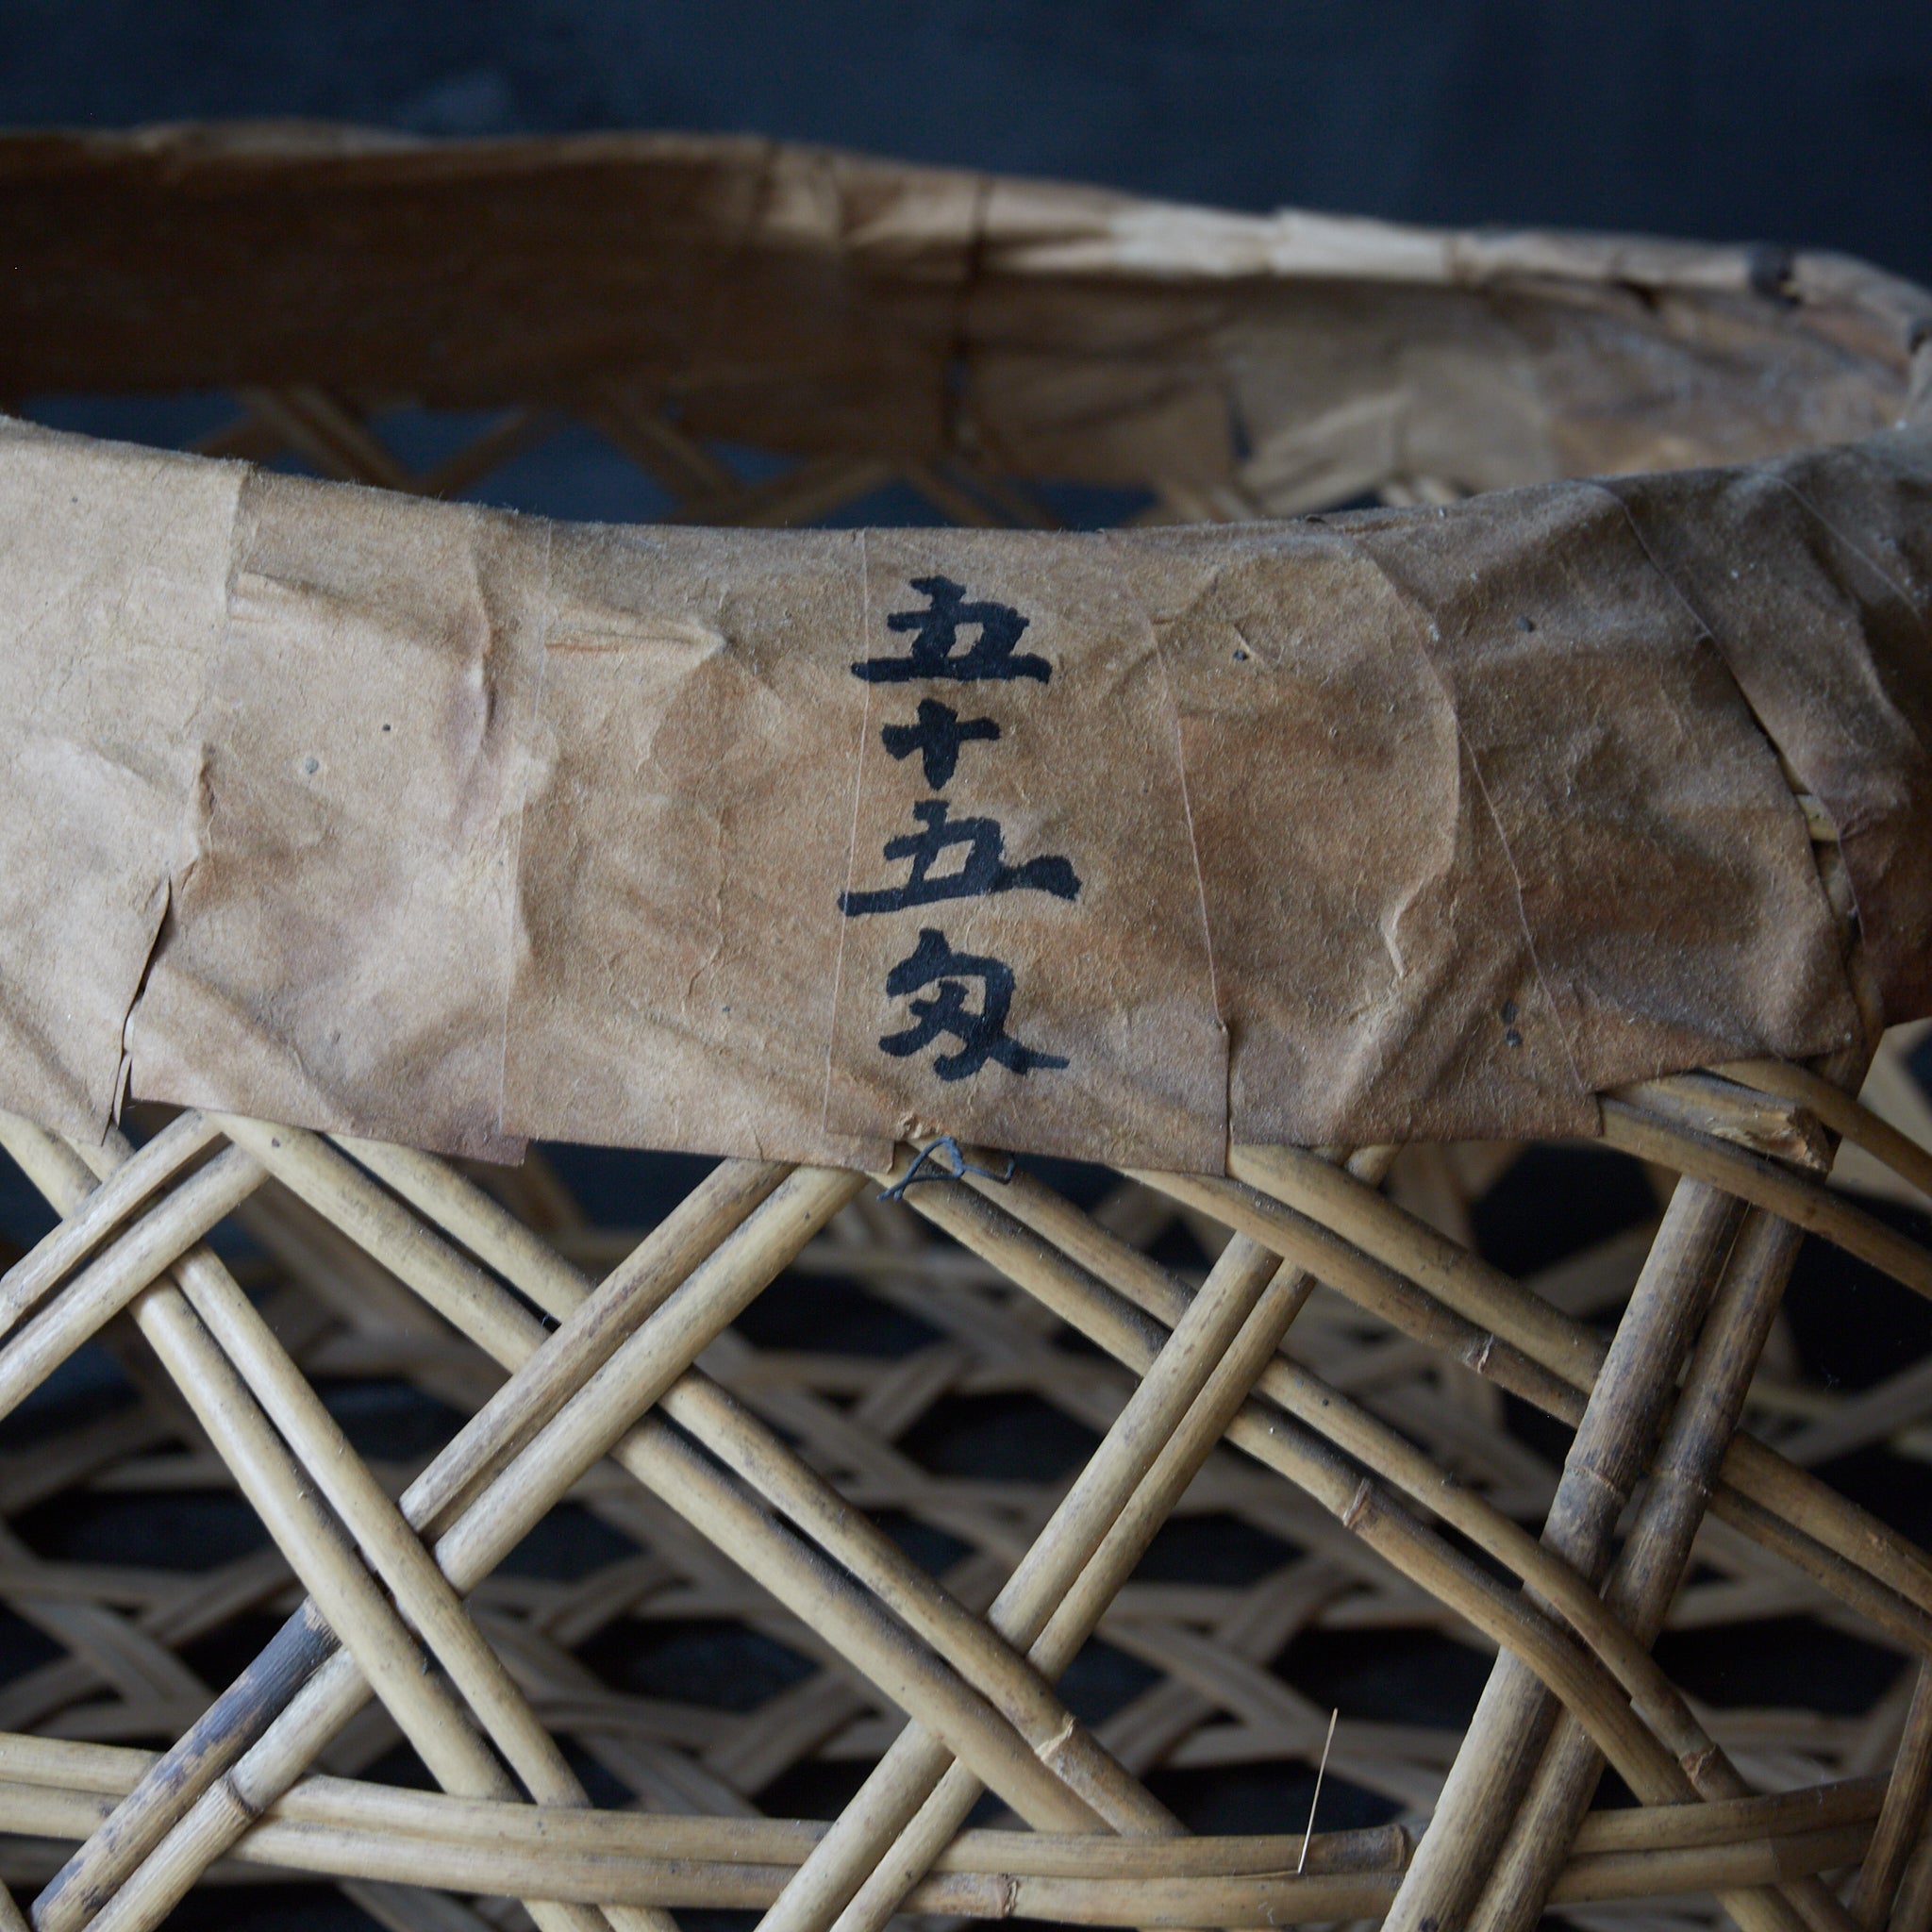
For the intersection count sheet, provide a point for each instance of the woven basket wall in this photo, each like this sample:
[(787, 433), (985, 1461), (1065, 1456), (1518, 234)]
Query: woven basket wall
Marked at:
[(599, 1542)]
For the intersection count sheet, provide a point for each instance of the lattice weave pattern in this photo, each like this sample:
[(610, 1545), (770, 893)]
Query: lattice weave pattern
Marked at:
[(389, 1261)]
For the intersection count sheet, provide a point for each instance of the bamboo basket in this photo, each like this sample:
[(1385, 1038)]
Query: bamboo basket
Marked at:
[(1301, 1344)]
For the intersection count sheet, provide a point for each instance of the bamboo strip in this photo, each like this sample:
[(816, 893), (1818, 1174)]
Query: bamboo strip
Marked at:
[(934, 1696), (712, 1211), (1402, 1544), (759, 1457), (387, 1541), (108, 1284), (1381, 1289), (60, 1766), (357, 1612), (1903, 1820), (1901, 1620), (853, 1859), (593, 1324), (1614, 1442), (1007, 1681), (1650, 1568), (1241, 1900), (1082, 1605), (313, 1541), (871, 1475), (164, 1804), (1723, 1110), (342, 1829), (104, 1210), (1764, 1494), (226, 1730), (1758, 1479), (722, 1284), (436, 1725), (1842, 1112), (639, 1371), (1336, 1485), (1912, 1910), (1386, 1455), (1348, 1207), (1764, 1184), (458, 1291)]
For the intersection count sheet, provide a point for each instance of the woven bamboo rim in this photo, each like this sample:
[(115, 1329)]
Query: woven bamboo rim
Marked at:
[(1337, 1379)]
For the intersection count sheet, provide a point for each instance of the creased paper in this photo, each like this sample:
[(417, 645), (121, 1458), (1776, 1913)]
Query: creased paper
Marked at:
[(831, 305), (471, 827)]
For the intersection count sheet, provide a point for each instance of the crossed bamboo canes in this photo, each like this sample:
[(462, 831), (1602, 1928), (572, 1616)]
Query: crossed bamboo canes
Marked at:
[(523, 1450), (618, 1373)]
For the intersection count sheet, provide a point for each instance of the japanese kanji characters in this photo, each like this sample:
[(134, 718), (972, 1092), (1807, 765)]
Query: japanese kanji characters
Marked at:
[(981, 1030), (971, 994), (937, 739), (936, 634), (982, 871)]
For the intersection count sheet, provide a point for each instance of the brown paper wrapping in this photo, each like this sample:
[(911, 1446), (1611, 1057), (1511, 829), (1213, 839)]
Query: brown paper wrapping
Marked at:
[(819, 303), (455, 827), (113, 564), (469, 827)]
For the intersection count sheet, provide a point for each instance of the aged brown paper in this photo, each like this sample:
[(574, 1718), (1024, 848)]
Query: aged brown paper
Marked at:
[(113, 563), (686, 816), (338, 943), (840, 307), (455, 827)]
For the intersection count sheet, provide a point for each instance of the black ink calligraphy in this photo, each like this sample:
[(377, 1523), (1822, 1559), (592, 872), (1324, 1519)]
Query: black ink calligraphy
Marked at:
[(981, 1031), (937, 737), (984, 868), (939, 983), (936, 633)]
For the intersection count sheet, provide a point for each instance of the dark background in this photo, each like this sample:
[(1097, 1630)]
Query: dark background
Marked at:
[(1805, 125)]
